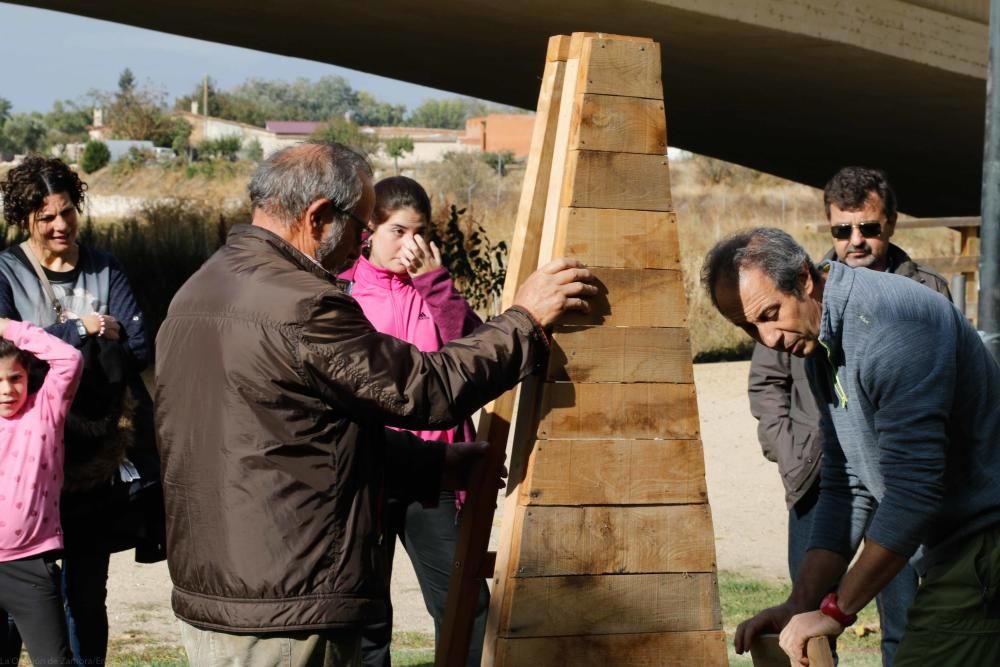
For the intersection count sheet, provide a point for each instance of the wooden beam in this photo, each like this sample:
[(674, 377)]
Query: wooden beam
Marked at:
[(618, 411), (471, 559), (635, 298), (620, 124), (766, 652), (605, 605), (618, 239), (615, 472), (951, 265), (629, 181), (620, 354), (615, 540), (665, 649)]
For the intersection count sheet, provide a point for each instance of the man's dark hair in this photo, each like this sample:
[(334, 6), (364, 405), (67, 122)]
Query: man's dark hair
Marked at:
[(396, 192), (850, 187), (287, 182), (29, 183), (771, 250)]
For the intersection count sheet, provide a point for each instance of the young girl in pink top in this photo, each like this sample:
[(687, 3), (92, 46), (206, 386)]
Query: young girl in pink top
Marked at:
[(405, 292), (31, 476)]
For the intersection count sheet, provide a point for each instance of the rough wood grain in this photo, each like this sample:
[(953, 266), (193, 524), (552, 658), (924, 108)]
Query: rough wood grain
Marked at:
[(629, 181), (620, 354), (619, 124), (613, 604), (635, 298), (665, 649), (619, 411), (615, 472), (617, 66), (619, 239), (615, 540)]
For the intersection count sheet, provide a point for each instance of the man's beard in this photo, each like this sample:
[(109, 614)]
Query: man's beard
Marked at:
[(327, 251)]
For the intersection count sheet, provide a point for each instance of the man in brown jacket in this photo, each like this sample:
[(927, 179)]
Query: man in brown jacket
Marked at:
[(861, 207), (273, 394)]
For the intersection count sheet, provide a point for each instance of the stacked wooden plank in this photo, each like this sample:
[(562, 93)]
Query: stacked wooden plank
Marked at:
[(606, 554)]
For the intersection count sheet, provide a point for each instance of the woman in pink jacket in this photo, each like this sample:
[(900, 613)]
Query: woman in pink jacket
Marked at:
[(31, 477), (405, 292)]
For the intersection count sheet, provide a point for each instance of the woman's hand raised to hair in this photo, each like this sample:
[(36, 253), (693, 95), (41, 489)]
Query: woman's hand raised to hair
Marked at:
[(561, 285), (419, 256)]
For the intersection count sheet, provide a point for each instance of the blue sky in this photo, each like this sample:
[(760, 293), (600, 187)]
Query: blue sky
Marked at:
[(50, 56)]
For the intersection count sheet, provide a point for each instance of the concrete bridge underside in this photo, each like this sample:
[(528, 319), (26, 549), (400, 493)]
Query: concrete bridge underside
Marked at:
[(797, 88)]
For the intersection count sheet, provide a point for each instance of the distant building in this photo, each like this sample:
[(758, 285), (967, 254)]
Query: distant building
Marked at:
[(500, 132)]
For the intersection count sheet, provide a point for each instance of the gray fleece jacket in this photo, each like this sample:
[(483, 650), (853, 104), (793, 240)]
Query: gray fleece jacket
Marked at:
[(908, 396)]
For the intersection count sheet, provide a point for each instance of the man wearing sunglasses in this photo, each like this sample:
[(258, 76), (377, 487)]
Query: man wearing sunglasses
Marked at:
[(861, 207)]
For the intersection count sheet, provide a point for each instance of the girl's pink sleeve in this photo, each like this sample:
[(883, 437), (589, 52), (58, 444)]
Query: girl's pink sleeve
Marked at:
[(65, 362), (452, 314)]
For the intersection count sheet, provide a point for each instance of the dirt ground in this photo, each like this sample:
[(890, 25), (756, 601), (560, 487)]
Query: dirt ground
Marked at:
[(744, 492)]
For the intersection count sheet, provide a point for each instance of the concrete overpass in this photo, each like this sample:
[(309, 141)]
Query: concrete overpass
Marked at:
[(797, 88)]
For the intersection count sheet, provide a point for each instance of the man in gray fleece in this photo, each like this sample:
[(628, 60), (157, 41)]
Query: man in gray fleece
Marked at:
[(861, 208), (908, 395)]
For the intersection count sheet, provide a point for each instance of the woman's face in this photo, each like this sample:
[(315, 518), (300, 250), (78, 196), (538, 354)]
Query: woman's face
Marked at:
[(53, 227), (387, 239)]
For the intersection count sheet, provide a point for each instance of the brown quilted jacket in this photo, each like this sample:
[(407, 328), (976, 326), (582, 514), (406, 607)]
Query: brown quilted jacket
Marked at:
[(273, 393)]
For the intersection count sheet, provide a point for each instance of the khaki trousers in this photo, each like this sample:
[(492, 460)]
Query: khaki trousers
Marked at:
[(332, 648)]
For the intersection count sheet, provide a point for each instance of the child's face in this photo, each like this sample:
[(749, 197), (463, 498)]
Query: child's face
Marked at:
[(13, 387), (387, 239)]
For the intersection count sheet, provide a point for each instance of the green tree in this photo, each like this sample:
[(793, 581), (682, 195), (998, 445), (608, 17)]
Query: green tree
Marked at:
[(343, 131), (95, 155), (253, 150), (134, 112), (397, 147), (225, 148), (24, 133), (449, 114), (370, 111), (126, 82), (67, 122), (5, 107)]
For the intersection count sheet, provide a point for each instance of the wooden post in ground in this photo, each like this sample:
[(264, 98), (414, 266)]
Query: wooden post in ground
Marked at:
[(471, 561), (607, 553), (610, 554)]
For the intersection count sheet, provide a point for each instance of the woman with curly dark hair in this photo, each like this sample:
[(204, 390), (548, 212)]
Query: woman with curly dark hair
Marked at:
[(81, 295)]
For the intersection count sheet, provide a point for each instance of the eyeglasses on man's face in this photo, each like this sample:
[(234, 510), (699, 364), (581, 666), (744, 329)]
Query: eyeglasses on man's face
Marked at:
[(868, 230)]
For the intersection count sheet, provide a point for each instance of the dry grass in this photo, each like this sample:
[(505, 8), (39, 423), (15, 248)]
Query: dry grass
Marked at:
[(709, 211), (712, 200)]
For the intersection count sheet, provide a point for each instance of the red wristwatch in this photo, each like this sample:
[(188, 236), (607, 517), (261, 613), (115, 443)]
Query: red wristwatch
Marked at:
[(830, 607)]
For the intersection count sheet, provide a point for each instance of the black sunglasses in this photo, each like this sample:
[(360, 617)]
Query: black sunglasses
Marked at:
[(868, 230)]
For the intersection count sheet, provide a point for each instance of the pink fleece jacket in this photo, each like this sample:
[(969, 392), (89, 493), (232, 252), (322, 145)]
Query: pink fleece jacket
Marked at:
[(426, 311), (31, 448)]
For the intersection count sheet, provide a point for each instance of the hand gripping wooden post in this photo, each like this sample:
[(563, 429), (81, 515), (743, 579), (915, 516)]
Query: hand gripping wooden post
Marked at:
[(606, 552)]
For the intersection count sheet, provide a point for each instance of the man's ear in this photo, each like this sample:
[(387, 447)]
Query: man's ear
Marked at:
[(890, 225), (318, 214), (805, 279)]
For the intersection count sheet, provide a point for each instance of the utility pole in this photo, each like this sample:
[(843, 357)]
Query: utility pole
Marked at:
[(989, 252)]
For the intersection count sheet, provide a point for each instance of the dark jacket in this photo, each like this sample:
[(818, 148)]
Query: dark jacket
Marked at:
[(273, 392), (780, 398)]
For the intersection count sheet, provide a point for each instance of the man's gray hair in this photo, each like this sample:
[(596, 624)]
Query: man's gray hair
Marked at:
[(287, 182), (771, 250)]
